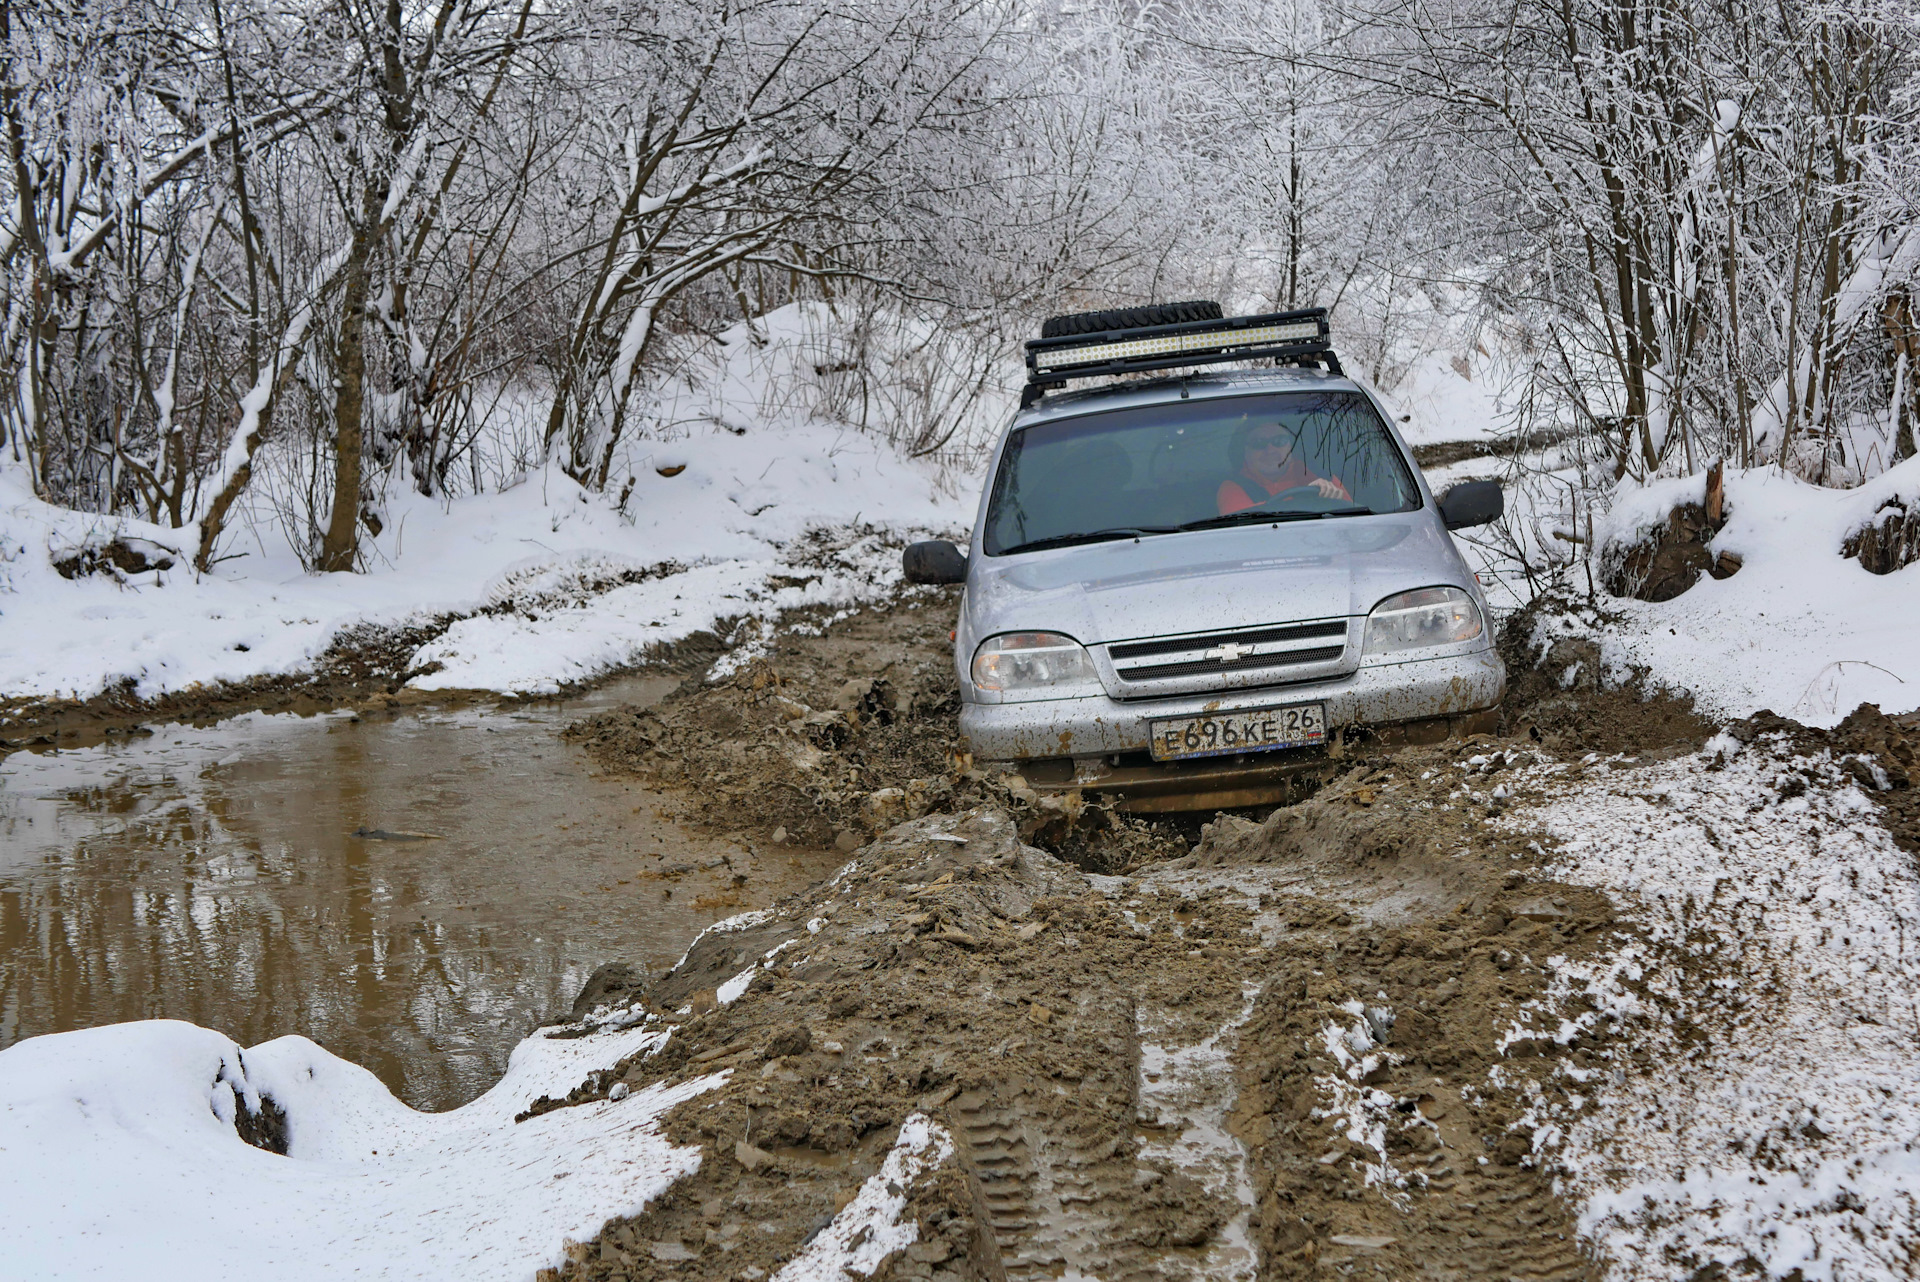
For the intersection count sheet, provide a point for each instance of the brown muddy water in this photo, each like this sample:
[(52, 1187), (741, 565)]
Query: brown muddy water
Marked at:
[(214, 875)]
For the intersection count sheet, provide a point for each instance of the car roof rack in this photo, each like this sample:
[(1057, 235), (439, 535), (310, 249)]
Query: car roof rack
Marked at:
[(1296, 338)]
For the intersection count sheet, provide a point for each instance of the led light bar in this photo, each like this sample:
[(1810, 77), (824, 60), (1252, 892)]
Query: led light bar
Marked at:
[(1208, 341), (1298, 338)]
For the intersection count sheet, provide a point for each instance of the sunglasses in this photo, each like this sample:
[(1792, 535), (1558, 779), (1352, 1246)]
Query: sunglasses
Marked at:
[(1269, 443)]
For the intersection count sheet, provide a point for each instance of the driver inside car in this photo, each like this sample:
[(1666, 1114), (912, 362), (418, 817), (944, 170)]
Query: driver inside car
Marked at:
[(1270, 465)]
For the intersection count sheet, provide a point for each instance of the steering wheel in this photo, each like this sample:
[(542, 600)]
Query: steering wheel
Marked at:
[(1290, 492)]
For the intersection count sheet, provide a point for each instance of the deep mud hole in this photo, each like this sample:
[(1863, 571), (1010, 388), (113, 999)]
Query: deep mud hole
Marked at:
[(1280, 1045), (832, 734)]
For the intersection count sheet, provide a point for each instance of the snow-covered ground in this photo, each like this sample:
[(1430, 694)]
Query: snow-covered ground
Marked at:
[(119, 1159), (748, 448), (1764, 1119), (537, 559), (1445, 398), (1800, 629)]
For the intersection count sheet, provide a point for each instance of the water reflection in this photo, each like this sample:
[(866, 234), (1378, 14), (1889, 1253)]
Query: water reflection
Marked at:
[(212, 875)]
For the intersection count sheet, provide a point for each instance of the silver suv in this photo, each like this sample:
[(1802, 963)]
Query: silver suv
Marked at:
[(1184, 592)]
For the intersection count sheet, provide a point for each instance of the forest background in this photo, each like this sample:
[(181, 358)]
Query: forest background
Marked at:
[(288, 260)]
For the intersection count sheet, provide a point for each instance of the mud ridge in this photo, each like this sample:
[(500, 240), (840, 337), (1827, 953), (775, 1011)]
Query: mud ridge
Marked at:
[(1560, 696)]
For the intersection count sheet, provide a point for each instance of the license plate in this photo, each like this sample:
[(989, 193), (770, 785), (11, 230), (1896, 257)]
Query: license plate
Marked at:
[(1254, 730)]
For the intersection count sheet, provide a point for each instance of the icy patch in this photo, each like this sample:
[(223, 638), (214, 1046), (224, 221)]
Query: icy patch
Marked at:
[(121, 1160), (869, 1228), (1192, 1087), (741, 921), (1773, 985)]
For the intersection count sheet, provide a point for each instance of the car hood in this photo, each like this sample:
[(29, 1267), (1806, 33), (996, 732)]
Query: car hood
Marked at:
[(1211, 580)]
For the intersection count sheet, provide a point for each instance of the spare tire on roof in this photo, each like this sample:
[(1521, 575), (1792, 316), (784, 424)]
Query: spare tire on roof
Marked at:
[(1129, 318)]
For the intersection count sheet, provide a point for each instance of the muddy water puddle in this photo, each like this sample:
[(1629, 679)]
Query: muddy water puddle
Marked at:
[(414, 891)]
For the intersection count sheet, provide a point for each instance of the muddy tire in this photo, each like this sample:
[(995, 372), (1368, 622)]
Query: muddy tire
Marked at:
[(1129, 318)]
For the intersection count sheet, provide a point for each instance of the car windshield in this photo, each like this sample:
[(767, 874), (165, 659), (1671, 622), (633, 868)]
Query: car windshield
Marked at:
[(1195, 464)]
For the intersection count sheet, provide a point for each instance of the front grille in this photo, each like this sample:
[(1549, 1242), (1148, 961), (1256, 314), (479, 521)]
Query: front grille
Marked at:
[(1271, 647), (1248, 636), (1200, 667)]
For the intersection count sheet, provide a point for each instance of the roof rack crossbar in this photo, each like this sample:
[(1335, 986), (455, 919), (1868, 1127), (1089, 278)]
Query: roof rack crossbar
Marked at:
[(1286, 336)]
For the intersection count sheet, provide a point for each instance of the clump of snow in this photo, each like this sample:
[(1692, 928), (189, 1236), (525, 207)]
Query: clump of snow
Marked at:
[(1769, 991), (121, 1160), (1361, 1114), (869, 1228), (1800, 629)]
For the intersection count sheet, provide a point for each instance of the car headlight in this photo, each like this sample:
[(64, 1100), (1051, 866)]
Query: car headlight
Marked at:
[(1422, 618), (1033, 663)]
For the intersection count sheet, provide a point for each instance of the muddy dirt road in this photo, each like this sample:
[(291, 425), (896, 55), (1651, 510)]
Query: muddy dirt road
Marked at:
[(1316, 1041), (1127, 1063)]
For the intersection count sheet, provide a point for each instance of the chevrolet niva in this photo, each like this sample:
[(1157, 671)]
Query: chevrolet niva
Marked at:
[(1183, 592)]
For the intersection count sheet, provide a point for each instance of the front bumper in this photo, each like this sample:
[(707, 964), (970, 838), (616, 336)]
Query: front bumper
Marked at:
[(1100, 744)]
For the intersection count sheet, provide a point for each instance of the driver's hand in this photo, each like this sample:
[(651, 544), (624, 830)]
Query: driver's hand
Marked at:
[(1330, 489)]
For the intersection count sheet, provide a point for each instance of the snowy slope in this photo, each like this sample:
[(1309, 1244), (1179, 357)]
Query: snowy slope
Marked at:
[(1450, 398), (1800, 629), (546, 544)]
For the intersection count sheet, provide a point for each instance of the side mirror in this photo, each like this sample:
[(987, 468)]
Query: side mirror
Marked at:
[(935, 561), (1472, 503)]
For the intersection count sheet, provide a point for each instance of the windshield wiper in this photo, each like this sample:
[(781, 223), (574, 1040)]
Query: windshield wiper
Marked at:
[(1091, 536), (1254, 517)]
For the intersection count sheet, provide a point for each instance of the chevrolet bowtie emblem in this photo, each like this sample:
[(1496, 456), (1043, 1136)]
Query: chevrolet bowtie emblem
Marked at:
[(1229, 652)]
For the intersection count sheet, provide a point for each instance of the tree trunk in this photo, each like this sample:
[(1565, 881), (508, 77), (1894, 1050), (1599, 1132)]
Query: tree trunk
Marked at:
[(340, 547), (1897, 316)]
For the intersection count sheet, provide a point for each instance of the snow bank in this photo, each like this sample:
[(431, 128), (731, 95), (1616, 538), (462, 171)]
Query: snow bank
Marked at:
[(119, 1159), (730, 521), (1765, 1120), (1800, 629)]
